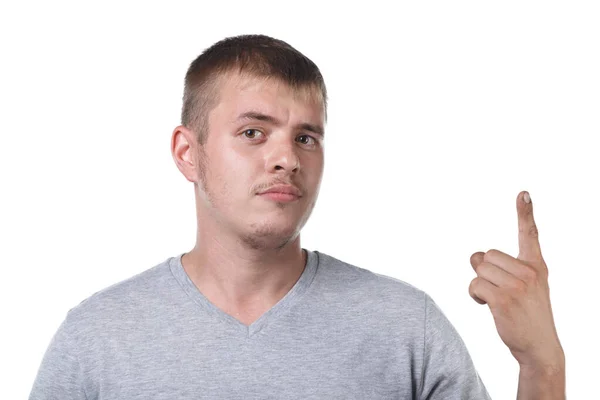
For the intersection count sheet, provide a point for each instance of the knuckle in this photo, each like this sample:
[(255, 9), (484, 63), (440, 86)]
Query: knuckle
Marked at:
[(473, 284), (530, 275), (533, 231), (474, 290), (503, 302), (490, 254), (544, 271), (518, 287), (481, 268)]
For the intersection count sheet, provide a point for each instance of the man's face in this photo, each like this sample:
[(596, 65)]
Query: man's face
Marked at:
[(262, 133)]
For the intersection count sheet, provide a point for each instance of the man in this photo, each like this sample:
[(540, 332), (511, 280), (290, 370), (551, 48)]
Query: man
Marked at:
[(248, 313)]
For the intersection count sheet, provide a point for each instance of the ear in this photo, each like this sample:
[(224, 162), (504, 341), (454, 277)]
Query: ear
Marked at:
[(183, 150)]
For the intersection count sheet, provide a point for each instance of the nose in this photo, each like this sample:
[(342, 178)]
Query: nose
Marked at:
[(283, 157)]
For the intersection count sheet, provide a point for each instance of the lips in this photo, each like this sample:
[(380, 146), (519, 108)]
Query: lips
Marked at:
[(284, 189)]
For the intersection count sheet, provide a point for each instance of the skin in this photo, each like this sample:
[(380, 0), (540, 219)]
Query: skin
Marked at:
[(247, 254), (517, 293)]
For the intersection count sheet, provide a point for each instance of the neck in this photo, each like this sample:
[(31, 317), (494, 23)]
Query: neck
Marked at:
[(241, 279)]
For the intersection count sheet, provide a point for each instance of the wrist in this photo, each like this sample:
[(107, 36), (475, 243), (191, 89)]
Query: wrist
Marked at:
[(550, 363), (543, 380), (541, 371)]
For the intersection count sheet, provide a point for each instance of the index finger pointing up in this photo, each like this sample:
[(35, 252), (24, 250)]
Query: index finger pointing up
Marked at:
[(529, 245)]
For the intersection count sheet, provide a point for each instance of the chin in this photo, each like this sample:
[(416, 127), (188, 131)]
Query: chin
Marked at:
[(270, 236)]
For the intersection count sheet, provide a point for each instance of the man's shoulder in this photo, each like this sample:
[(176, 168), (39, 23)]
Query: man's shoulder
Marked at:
[(126, 294), (356, 281)]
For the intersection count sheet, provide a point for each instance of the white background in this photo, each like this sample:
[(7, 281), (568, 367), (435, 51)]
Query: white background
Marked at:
[(440, 113)]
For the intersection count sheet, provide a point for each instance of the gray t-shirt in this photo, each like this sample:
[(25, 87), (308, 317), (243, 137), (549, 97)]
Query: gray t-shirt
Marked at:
[(342, 332)]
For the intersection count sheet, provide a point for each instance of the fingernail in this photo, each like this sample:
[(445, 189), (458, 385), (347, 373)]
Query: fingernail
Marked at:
[(527, 198)]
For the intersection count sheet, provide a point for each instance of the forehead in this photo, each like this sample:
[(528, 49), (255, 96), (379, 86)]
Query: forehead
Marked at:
[(239, 92)]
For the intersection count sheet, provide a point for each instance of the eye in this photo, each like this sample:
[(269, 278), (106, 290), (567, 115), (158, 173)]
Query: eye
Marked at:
[(308, 137), (251, 133)]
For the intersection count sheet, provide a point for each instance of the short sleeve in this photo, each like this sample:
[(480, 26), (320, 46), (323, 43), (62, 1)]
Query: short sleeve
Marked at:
[(60, 374), (448, 370)]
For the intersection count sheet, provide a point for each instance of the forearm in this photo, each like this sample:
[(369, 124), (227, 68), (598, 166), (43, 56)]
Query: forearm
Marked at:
[(542, 383)]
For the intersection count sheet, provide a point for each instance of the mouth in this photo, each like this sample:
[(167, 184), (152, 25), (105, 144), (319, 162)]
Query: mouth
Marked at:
[(283, 193), (280, 197)]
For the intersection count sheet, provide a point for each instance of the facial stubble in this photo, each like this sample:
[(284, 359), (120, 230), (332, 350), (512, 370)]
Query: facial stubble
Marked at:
[(262, 236)]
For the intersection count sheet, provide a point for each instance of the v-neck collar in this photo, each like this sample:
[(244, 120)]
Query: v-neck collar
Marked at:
[(291, 297)]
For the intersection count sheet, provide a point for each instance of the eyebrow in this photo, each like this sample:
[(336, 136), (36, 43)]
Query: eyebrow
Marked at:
[(258, 116)]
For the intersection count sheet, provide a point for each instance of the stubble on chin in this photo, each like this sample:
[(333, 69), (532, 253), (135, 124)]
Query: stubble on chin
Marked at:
[(266, 237)]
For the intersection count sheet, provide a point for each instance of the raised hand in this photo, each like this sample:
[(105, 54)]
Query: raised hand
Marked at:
[(517, 293)]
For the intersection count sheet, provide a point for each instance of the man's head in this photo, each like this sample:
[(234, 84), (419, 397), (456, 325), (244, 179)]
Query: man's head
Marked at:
[(258, 56), (253, 116)]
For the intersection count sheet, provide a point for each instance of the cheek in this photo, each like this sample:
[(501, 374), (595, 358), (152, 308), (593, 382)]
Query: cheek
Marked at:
[(236, 176), (314, 171)]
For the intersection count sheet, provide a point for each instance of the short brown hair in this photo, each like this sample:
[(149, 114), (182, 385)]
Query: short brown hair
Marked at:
[(257, 55)]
